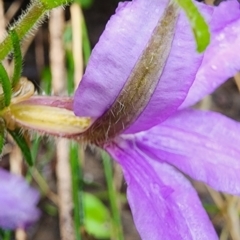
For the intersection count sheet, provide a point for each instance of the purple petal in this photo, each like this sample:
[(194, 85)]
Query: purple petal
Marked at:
[(119, 48), (163, 202), (17, 202), (204, 145), (221, 61)]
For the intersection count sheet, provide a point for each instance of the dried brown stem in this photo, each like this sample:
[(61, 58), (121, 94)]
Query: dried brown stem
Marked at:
[(57, 61), (76, 20)]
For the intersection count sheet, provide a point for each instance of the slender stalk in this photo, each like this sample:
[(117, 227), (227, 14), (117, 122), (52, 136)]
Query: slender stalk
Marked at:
[(76, 161), (50, 4), (64, 190), (77, 193), (29, 20), (57, 60), (76, 19), (113, 197), (86, 42)]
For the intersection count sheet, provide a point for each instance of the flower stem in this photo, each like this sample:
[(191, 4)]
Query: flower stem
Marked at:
[(29, 20), (112, 196), (26, 22)]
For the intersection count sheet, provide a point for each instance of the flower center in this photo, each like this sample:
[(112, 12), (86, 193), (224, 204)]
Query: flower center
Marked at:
[(141, 83)]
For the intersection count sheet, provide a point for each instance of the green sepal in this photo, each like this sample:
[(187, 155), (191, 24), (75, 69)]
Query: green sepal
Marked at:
[(17, 54), (199, 26), (23, 145), (6, 85)]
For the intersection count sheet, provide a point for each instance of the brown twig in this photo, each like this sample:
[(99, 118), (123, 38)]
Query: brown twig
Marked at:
[(57, 61), (76, 20), (2, 19)]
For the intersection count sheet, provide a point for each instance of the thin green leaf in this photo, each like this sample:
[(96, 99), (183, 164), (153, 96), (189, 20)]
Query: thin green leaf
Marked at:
[(23, 145), (77, 193), (50, 4), (6, 85), (2, 134), (113, 196), (17, 57), (86, 43), (199, 26), (85, 4), (46, 83)]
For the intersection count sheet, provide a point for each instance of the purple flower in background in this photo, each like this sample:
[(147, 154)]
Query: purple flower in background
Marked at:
[(17, 202), (141, 77)]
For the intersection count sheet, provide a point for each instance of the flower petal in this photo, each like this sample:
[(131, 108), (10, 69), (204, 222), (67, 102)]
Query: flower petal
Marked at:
[(220, 60), (163, 202), (204, 145), (120, 46), (17, 202)]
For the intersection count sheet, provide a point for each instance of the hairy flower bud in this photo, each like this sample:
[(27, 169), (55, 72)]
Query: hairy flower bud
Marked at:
[(47, 115)]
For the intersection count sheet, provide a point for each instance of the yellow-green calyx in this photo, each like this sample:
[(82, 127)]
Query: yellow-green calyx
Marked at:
[(56, 120)]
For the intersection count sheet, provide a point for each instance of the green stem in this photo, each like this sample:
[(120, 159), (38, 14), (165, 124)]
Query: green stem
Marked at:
[(77, 189), (86, 42), (22, 144), (113, 196), (26, 22), (50, 4), (30, 19), (2, 134)]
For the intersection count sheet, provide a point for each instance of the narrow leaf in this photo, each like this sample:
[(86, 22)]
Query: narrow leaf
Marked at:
[(50, 4), (113, 197), (23, 145), (77, 187), (199, 26), (6, 85), (2, 134), (17, 57)]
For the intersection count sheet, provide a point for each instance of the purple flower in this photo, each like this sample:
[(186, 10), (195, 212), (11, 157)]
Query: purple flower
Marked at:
[(17, 202), (139, 98)]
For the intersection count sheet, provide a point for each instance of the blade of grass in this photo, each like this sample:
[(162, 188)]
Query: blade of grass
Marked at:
[(86, 43), (6, 85), (77, 186), (2, 134), (29, 20), (17, 57), (113, 196), (23, 145)]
